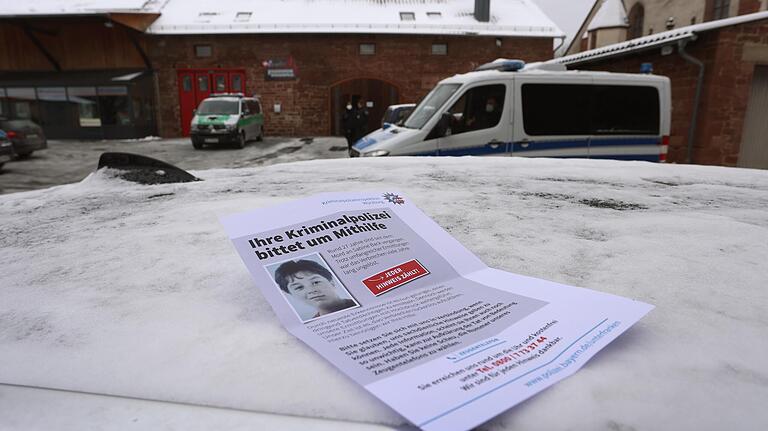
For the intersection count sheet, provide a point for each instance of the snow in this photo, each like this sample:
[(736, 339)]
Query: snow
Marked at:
[(68, 7), (508, 17), (109, 287), (446, 17), (610, 15)]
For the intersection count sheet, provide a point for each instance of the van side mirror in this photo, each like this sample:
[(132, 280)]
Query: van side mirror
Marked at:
[(442, 128)]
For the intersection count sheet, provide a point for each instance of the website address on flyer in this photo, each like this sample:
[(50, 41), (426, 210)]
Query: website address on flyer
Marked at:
[(573, 357)]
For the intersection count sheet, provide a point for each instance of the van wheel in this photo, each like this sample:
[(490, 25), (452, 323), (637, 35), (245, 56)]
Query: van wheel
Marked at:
[(261, 135), (197, 145), (241, 140)]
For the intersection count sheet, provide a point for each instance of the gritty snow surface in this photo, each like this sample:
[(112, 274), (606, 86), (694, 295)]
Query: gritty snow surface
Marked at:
[(113, 288)]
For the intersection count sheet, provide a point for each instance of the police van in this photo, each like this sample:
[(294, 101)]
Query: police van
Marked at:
[(227, 118), (508, 108)]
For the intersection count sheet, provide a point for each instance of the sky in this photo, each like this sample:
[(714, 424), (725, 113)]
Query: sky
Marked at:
[(567, 14)]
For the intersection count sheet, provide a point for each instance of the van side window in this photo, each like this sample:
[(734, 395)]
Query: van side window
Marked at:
[(625, 110), (556, 109), (479, 108), (574, 109), (244, 108), (255, 107)]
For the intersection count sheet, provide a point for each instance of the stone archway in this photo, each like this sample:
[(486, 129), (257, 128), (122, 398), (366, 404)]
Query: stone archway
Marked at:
[(375, 91)]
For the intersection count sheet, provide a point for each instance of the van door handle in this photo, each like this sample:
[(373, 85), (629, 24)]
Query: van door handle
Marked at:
[(494, 144), (525, 143)]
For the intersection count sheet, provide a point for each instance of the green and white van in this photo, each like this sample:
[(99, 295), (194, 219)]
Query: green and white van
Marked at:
[(227, 119)]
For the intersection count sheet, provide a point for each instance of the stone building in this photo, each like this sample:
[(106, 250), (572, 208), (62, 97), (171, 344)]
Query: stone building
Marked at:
[(99, 71)]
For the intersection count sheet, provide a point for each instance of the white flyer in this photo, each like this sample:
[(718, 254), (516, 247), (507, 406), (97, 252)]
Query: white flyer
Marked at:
[(397, 304)]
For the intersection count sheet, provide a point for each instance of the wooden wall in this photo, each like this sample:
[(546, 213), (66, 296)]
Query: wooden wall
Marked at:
[(80, 44)]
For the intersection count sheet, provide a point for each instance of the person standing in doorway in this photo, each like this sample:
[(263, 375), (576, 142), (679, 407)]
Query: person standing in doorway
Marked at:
[(361, 119), (347, 123)]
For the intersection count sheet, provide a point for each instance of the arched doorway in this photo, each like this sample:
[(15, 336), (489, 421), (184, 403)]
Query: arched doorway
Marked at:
[(377, 93)]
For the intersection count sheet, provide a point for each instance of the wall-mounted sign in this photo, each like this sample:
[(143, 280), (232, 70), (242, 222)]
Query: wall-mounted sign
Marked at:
[(280, 68)]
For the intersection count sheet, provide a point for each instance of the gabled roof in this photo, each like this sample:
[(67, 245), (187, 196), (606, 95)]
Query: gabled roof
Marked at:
[(508, 17), (31, 8), (657, 40), (610, 15)]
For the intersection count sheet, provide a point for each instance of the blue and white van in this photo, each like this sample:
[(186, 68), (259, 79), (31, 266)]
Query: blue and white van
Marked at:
[(507, 108)]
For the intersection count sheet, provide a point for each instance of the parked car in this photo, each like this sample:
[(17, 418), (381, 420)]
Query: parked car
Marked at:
[(6, 149), (125, 307), (227, 118), (26, 136), (397, 114)]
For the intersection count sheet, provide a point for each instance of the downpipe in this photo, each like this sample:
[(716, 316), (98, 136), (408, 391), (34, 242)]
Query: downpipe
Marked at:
[(699, 84)]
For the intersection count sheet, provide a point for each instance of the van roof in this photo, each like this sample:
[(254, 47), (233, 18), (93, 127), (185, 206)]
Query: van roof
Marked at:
[(534, 69)]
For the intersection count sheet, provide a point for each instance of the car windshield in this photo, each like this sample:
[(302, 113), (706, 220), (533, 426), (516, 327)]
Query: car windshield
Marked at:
[(225, 107), (427, 108)]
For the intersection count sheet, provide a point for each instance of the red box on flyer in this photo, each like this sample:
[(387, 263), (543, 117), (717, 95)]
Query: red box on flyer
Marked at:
[(394, 277)]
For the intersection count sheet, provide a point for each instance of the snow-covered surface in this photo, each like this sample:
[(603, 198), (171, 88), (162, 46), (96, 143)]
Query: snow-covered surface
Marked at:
[(75, 411), (610, 15), (508, 17), (658, 39), (69, 7), (456, 17), (110, 287)]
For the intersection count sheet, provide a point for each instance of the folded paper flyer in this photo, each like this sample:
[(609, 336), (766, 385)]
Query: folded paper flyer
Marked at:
[(397, 304)]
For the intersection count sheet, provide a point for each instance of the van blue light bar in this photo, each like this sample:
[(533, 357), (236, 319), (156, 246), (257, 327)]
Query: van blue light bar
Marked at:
[(503, 65)]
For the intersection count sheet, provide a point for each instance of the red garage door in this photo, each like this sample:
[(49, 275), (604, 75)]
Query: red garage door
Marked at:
[(197, 84)]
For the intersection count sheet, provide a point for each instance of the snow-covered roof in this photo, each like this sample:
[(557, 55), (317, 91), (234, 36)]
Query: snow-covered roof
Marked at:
[(658, 39), (114, 288), (610, 15), (80, 7), (448, 17), (508, 17)]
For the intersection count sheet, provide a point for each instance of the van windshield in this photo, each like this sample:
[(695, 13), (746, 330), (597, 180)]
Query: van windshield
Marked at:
[(427, 108), (220, 107)]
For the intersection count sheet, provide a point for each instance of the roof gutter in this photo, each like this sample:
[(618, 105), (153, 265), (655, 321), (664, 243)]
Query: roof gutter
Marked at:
[(699, 84)]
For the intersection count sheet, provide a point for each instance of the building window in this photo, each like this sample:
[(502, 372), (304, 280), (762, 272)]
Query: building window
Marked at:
[(636, 18), (186, 83), (202, 83), (242, 16), (237, 84), (717, 9), (87, 105), (202, 51), (407, 16), (439, 49), (367, 49), (221, 83), (114, 106)]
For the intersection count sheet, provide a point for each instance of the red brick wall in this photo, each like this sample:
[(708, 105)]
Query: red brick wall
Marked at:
[(323, 61), (748, 6), (725, 94)]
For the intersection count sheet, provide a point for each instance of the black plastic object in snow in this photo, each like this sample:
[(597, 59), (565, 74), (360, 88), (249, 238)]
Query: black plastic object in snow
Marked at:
[(144, 170)]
